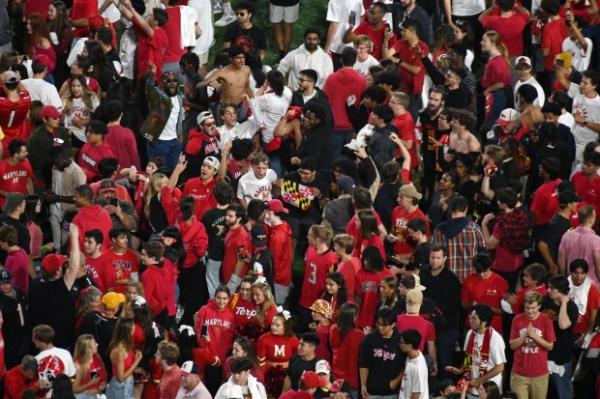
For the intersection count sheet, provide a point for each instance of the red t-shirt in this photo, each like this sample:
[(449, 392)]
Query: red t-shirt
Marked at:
[(505, 260), (122, 142), (411, 84), (416, 322), (174, 51), (376, 36), (373, 241), (400, 218), (12, 116), (96, 366), (90, 155), (518, 305), (237, 242), (553, 34), (101, 272), (123, 266), (367, 288), (13, 178), (151, 50), (545, 202), (316, 268), (530, 359), (39, 6), (496, 71), (510, 29), (354, 231), (485, 291), (349, 270), (243, 310), (202, 194), (406, 131), (276, 348), (82, 9), (588, 190)]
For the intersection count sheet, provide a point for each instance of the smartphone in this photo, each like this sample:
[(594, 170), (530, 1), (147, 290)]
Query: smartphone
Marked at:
[(93, 374), (352, 18), (204, 330), (114, 201)]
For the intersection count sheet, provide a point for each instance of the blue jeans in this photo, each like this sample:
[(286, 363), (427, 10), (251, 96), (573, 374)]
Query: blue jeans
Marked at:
[(169, 150), (339, 138), (120, 390), (563, 384)]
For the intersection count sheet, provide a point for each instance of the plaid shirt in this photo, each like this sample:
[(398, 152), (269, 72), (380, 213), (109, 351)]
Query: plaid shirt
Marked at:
[(461, 249)]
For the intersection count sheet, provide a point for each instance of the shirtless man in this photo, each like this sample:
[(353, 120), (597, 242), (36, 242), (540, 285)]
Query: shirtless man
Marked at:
[(461, 139), (233, 80)]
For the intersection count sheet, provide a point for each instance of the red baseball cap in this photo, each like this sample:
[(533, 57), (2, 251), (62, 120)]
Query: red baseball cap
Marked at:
[(52, 262), (276, 206), (50, 111)]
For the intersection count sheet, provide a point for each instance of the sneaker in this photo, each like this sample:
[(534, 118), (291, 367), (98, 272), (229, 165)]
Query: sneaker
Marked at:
[(225, 20), (217, 7)]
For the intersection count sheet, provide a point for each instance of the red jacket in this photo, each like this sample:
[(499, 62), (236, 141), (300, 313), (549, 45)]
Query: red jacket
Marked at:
[(220, 327), (343, 83), (157, 281), (237, 241), (345, 354), (90, 156), (93, 217), (195, 241), (198, 140), (280, 242)]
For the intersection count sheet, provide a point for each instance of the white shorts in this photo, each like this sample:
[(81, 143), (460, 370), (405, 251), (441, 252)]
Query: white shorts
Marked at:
[(288, 15)]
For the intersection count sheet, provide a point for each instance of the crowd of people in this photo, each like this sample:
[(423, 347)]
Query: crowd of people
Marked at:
[(404, 206)]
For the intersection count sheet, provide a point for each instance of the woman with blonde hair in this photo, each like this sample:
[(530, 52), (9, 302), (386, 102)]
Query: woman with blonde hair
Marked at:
[(79, 104), (264, 301), (38, 40), (90, 374), (497, 78)]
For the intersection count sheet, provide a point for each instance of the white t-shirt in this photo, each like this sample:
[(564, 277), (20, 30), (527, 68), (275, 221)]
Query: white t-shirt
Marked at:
[(339, 11), (43, 91), (249, 187), (541, 98), (203, 11), (415, 378), (495, 357), (467, 8), (78, 109), (567, 120), (581, 57), (590, 107), (363, 67), (54, 362), (170, 130), (243, 130)]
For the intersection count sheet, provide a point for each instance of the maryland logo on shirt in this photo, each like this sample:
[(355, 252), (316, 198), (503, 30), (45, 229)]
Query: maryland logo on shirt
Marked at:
[(296, 194)]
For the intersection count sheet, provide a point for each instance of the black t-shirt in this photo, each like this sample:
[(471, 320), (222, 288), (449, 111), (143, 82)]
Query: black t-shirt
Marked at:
[(254, 37), (50, 302), (383, 358), (553, 233), (214, 223), (444, 289), (15, 329), (22, 233), (297, 367), (385, 202), (561, 353), (297, 198)]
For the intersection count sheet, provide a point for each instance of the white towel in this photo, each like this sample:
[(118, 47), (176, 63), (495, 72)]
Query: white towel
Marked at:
[(188, 26)]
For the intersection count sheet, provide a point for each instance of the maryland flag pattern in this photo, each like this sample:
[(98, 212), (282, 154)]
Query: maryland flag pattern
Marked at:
[(296, 194)]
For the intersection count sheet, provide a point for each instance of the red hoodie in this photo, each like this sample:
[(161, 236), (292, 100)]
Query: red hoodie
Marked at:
[(220, 327), (157, 281), (89, 156), (200, 143), (237, 241), (195, 241), (90, 218), (340, 85), (280, 242)]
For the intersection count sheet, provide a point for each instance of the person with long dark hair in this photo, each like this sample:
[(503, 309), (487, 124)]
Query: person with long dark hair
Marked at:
[(336, 292), (370, 275), (345, 338), (124, 359)]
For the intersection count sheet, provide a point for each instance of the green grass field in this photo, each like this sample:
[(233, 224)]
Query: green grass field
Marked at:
[(312, 14)]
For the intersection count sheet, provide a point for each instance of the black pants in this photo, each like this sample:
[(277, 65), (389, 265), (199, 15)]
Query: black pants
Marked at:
[(193, 291), (213, 378)]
